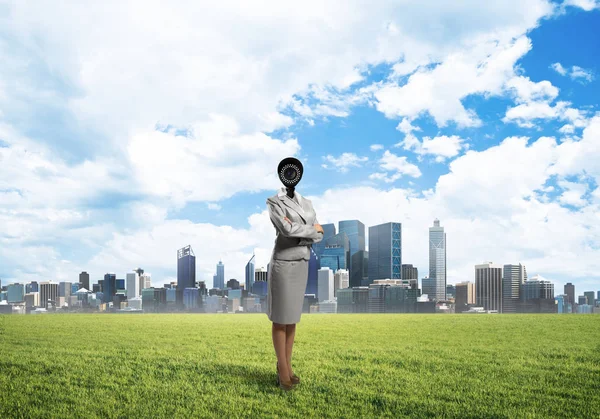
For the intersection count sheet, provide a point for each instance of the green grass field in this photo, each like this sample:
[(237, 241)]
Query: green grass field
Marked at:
[(351, 365)]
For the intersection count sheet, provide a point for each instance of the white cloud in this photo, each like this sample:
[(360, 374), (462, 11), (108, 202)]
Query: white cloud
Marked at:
[(586, 5), (483, 68), (576, 73), (527, 91), (573, 192), (345, 161), (442, 147), (525, 114), (559, 68), (581, 73), (376, 147), (394, 163)]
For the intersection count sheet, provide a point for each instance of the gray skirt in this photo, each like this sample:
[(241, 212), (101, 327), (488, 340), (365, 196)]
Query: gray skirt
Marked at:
[(286, 284)]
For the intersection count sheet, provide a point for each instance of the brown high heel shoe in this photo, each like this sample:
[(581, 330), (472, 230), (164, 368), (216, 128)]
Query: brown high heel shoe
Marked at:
[(295, 379)]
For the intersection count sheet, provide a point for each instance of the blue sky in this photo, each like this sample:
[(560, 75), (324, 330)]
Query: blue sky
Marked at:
[(147, 131)]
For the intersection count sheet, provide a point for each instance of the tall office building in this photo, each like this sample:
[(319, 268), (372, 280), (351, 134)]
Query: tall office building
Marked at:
[(465, 295), (450, 291), (537, 287), (109, 287), (64, 289), (48, 292), (318, 248), (186, 268), (15, 293), (569, 290), (84, 279), (341, 280), (437, 259), (355, 230), (590, 297), (488, 286), (513, 278), (385, 251), (220, 276), (359, 275), (133, 285), (250, 273), (537, 296), (325, 285), (409, 272), (145, 280), (260, 274), (313, 273), (428, 287), (336, 254)]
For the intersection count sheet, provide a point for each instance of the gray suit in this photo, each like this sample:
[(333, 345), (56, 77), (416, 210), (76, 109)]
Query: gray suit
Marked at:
[(288, 268)]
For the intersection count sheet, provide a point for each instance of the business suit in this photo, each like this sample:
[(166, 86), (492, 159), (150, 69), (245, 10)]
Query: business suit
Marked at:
[(288, 268)]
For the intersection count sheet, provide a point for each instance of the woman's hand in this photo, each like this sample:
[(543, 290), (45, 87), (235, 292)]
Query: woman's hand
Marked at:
[(319, 228)]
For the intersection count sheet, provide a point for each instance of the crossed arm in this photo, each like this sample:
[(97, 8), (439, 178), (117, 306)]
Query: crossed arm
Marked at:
[(307, 234)]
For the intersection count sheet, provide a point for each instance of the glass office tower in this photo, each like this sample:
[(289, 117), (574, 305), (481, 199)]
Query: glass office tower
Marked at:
[(328, 232), (109, 287), (186, 268), (355, 230), (336, 254), (250, 273), (437, 259), (385, 251)]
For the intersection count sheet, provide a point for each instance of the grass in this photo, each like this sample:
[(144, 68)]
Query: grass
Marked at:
[(351, 365)]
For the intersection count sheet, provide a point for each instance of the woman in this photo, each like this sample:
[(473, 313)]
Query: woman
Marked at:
[(296, 229)]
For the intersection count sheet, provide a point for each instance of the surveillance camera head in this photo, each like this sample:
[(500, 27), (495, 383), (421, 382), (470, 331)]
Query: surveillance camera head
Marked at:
[(290, 172)]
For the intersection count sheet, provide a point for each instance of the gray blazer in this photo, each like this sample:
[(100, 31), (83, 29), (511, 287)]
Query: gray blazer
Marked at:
[(295, 237)]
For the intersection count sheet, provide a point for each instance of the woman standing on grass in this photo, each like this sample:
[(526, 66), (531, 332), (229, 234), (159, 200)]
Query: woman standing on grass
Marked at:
[(296, 229)]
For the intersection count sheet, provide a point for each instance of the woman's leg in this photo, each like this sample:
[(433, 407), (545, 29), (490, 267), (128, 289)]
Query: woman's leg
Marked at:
[(290, 332), (279, 343)]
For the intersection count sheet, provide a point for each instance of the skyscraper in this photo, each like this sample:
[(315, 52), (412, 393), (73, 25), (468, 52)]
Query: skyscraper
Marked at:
[(318, 248), (537, 296), (359, 275), (569, 290), (428, 287), (84, 279), (109, 287), (385, 251), (133, 285), (590, 297), (220, 278), (437, 259), (512, 280), (355, 230), (48, 292), (186, 268), (409, 272), (250, 274), (465, 294), (336, 254), (488, 286)]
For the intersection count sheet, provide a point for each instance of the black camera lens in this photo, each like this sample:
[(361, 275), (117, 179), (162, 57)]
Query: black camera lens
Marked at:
[(290, 173)]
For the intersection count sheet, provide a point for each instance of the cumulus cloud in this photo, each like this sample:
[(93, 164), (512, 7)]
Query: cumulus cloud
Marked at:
[(576, 73), (344, 161)]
